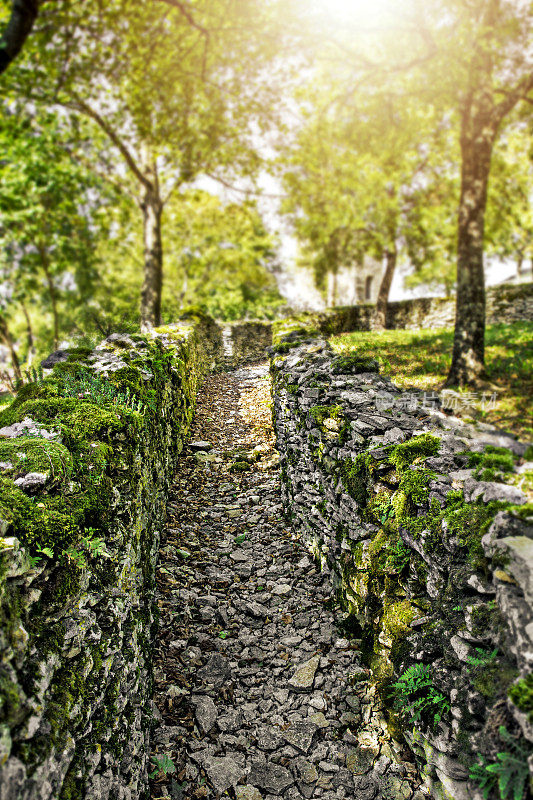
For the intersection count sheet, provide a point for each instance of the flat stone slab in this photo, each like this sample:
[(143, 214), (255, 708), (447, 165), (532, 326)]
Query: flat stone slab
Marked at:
[(271, 777), (205, 712), (307, 771), (222, 772), (282, 589), (217, 670), (303, 678), (300, 735), (360, 761), (199, 445), (247, 793)]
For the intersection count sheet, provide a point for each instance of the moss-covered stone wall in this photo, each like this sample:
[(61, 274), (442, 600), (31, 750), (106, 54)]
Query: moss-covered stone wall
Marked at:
[(507, 303), (424, 523), (244, 342), (86, 455)]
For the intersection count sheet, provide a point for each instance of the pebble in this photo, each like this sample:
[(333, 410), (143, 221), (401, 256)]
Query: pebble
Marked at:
[(248, 661)]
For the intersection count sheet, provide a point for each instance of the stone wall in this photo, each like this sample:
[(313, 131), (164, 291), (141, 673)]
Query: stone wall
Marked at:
[(244, 342), (86, 456), (420, 520), (504, 304)]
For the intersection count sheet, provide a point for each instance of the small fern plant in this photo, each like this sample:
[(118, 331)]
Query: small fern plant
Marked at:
[(163, 764), (417, 697), (509, 774)]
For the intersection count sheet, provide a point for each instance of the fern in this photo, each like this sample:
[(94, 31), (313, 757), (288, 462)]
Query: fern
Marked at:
[(484, 658), (163, 764), (509, 773), (417, 696)]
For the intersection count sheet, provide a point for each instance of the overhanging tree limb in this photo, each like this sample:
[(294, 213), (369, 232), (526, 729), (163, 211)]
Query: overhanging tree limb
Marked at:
[(513, 96), (77, 104), (23, 15), (182, 8)]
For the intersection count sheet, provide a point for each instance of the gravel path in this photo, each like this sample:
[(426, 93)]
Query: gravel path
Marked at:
[(258, 693)]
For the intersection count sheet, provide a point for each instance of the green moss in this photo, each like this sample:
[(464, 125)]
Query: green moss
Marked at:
[(524, 512), (353, 365), (73, 785), (36, 455), (38, 524), (89, 421), (414, 484), (321, 413), (12, 710), (414, 450), (490, 463), (77, 353), (240, 466), (493, 679), (521, 694), (397, 618), (356, 476)]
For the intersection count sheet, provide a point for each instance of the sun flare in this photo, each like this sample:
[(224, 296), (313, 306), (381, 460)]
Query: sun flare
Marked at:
[(353, 13)]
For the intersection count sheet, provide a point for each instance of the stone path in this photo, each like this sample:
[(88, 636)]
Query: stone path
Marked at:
[(258, 693)]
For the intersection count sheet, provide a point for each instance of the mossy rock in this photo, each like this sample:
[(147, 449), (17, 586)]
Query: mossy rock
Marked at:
[(521, 694), (36, 455), (353, 365), (240, 466), (416, 449)]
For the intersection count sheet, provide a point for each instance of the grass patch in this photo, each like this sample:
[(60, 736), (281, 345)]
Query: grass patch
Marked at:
[(422, 358)]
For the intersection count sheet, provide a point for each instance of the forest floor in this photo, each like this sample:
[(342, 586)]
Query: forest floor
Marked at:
[(422, 359), (260, 694)]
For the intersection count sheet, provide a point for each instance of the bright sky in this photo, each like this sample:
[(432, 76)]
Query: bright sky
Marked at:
[(356, 13)]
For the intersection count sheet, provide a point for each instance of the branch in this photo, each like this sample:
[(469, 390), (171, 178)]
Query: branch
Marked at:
[(188, 16), (247, 192), (513, 96), (23, 15), (81, 106), (194, 24)]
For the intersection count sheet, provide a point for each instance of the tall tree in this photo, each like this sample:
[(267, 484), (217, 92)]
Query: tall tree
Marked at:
[(173, 86), (362, 178), (495, 71), (52, 211), (472, 60), (16, 29), (221, 257)]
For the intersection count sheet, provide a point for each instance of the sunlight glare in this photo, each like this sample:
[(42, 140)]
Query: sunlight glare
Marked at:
[(353, 13)]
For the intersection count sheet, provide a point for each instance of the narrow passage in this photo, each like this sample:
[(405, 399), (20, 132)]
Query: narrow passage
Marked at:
[(259, 695)]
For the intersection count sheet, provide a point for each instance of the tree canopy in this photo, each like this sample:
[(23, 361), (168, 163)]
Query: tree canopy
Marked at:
[(403, 140)]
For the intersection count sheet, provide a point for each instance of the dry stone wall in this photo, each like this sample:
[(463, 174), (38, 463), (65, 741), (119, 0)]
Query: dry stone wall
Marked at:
[(86, 456), (421, 521), (244, 342), (505, 304)]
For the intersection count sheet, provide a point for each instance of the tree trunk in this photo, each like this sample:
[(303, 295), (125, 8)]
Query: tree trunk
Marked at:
[(29, 334), (17, 30), (332, 289), (52, 292), (478, 134), (380, 316), (152, 211), (5, 336)]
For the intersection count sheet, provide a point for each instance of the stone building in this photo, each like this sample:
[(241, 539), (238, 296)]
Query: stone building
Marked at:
[(355, 284)]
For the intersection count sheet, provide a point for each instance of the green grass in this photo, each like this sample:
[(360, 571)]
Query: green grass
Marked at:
[(422, 358)]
